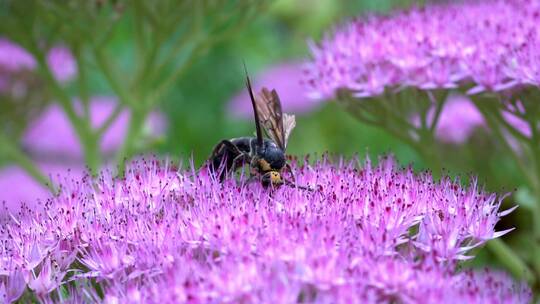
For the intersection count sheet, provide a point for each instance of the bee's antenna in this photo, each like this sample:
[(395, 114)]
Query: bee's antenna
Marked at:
[(255, 112)]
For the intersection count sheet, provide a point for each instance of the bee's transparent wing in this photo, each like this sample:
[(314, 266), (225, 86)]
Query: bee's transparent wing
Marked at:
[(289, 122), (278, 126)]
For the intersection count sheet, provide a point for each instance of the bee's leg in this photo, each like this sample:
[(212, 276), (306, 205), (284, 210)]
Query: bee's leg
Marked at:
[(225, 144), (240, 160), (224, 154), (289, 168), (293, 183)]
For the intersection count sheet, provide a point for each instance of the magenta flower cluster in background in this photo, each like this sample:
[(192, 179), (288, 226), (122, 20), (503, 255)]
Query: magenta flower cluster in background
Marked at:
[(50, 138), (14, 58), (366, 235), (63, 142), (53, 144), (459, 119), (484, 45)]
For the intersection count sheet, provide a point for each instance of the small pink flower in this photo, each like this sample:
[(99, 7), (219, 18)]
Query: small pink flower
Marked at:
[(12, 286), (49, 278), (62, 64), (63, 142), (14, 58), (459, 119)]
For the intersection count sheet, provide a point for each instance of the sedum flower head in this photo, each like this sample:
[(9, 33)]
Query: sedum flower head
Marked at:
[(483, 45), (366, 234)]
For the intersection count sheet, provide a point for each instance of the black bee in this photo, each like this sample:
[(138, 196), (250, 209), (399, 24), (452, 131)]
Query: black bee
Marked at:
[(266, 157)]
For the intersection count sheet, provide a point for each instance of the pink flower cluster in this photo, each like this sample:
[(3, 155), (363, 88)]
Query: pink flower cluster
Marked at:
[(50, 138), (15, 59), (458, 120), (366, 234), (483, 45), (52, 143)]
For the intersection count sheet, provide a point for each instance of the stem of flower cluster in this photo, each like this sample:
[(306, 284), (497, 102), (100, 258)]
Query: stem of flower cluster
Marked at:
[(491, 115), (136, 123), (24, 162), (511, 260)]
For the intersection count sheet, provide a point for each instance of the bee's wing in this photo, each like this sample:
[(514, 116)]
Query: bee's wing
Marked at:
[(289, 122), (278, 126)]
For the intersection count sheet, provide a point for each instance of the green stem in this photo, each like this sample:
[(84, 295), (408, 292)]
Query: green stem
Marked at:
[(505, 255), (82, 125), (23, 161), (108, 69), (427, 150), (110, 120), (92, 153), (494, 127), (82, 81), (439, 105), (135, 127), (377, 120), (511, 260)]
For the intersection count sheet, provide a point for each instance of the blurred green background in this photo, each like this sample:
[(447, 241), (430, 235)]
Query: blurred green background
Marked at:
[(197, 105)]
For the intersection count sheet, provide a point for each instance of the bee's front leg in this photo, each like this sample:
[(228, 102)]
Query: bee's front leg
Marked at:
[(289, 168)]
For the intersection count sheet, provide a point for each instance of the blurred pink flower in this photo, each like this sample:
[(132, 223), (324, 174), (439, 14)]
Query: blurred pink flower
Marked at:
[(14, 58), (518, 123), (459, 118), (514, 119), (285, 79), (53, 144), (62, 64), (63, 142), (19, 187)]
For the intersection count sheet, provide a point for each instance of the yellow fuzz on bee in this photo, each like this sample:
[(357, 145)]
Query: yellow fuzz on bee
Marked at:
[(264, 165), (275, 177)]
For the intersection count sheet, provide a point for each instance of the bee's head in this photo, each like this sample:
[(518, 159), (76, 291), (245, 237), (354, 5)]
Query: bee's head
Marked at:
[(272, 178), (269, 162)]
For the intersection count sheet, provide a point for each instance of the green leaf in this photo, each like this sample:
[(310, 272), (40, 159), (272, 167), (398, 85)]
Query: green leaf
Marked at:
[(525, 198)]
